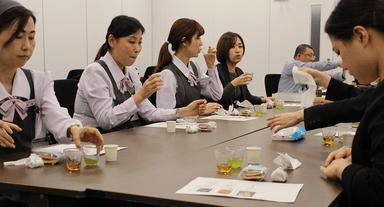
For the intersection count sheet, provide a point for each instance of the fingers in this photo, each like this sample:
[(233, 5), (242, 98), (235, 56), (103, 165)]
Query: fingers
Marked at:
[(323, 169), (330, 158)]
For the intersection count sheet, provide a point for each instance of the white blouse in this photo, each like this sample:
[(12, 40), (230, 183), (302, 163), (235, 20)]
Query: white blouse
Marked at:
[(211, 86), (55, 118), (94, 104)]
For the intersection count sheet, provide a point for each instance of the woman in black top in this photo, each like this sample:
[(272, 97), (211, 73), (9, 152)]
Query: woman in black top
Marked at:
[(356, 30), (230, 51)]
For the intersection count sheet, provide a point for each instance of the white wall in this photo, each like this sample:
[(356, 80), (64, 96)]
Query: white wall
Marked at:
[(70, 32)]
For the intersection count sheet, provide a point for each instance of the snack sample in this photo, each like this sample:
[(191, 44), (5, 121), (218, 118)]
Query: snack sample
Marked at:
[(254, 172)]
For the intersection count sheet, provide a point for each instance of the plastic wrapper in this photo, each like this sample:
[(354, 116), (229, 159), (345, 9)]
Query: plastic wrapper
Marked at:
[(34, 161), (270, 103), (205, 127), (286, 162), (214, 124), (254, 172), (289, 134), (279, 175), (192, 128), (246, 113)]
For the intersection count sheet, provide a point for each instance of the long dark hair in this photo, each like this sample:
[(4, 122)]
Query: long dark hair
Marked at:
[(15, 14), (121, 26), (225, 43), (181, 28), (351, 13)]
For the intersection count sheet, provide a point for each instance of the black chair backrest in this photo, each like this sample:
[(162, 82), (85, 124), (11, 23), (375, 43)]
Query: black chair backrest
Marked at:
[(65, 91), (148, 72), (271, 82), (75, 74)]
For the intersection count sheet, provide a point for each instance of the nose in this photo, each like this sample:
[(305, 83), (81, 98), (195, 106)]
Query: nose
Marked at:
[(137, 48), (26, 45)]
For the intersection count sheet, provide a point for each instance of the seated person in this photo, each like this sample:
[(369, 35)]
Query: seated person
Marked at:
[(110, 95), (356, 31), (230, 51), (184, 80), (27, 97), (304, 57)]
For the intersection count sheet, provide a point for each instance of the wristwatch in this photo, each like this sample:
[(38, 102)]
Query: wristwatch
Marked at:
[(177, 113)]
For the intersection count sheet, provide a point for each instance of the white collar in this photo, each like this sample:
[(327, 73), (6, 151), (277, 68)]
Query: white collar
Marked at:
[(20, 86)]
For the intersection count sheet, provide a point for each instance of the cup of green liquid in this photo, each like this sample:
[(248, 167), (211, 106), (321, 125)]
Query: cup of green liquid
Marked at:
[(258, 110), (237, 160), (91, 155), (279, 104)]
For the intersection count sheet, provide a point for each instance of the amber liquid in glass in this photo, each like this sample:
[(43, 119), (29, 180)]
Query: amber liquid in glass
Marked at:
[(225, 168), (73, 166), (328, 141)]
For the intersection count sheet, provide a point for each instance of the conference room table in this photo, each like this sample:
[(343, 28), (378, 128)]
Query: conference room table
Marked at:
[(157, 163)]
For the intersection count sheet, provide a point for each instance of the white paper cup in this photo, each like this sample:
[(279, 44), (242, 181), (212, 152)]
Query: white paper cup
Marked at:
[(171, 126), (348, 139), (253, 154), (111, 152)]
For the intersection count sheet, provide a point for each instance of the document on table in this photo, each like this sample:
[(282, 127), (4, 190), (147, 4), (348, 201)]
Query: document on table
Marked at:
[(231, 118), (60, 147), (279, 192)]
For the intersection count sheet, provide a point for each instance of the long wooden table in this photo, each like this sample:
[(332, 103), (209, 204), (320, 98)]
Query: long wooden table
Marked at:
[(157, 164)]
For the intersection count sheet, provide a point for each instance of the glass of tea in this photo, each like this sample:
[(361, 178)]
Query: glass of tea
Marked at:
[(329, 134), (237, 160), (91, 155), (279, 104), (73, 157), (258, 110), (224, 159)]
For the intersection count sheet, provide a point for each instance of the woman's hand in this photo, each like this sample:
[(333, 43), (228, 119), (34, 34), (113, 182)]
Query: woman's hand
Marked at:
[(210, 57), (211, 107), (285, 120), (344, 152), (194, 108), (243, 79), (150, 86), (87, 134), (6, 129), (336, 168), (319, 77)]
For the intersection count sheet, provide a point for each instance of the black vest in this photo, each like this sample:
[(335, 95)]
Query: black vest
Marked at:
[(120, 98), (185, 93), (23, 139)]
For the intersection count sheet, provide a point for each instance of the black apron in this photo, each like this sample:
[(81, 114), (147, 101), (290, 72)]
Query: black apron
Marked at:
[(24, 138), (120, 98)]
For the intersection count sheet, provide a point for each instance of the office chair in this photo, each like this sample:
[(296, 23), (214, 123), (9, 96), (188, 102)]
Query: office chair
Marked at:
[(75, 74), (148, 72), (271, 82), (65, 91)]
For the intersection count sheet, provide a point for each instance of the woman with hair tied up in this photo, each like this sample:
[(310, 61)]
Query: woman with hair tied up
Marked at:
[(110, 95), (27, 98), (184, 80), (230, 51), (356, 30)]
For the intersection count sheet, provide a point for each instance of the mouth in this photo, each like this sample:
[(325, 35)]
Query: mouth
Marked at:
[(23, 56)]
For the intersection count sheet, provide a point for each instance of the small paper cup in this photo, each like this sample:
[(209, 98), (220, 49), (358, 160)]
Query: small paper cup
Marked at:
[(111, 152)]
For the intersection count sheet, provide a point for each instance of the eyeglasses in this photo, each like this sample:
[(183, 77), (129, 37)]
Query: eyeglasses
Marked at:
[(310, 55)]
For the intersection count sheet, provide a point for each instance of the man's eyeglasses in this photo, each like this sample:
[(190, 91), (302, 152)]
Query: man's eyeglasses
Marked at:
[(310, 55)]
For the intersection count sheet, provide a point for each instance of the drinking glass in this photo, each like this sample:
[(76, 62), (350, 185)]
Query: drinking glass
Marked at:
[(73, 157), (91, 156), (341, 130), (279, 104), (237, 160), (329, 134), (223, 159)]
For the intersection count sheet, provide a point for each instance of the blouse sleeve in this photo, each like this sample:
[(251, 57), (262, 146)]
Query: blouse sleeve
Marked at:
[(55, 118), (166, 96), (210, 84)]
